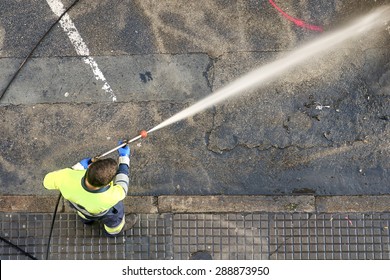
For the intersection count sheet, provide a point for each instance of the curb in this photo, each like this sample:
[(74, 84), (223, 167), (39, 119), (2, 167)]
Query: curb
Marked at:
[(214, 204)]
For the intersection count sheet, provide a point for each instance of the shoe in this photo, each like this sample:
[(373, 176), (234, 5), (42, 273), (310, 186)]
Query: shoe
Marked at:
[(130, 221)]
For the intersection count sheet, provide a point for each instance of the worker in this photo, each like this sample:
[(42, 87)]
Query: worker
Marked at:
[(96, 190)]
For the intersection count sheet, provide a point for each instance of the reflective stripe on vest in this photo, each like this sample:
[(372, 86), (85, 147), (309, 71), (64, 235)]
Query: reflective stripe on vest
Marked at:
[(86, 213)]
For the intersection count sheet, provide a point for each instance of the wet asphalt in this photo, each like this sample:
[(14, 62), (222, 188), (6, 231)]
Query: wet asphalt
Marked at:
[(322, 129)]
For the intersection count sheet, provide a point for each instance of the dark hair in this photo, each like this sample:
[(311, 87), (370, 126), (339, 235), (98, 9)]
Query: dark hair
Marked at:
[(101, 172)]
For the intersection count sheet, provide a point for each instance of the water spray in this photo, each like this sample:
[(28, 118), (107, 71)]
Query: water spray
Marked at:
[(274, 69)]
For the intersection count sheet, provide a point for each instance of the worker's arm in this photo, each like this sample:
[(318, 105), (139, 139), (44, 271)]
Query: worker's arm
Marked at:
[(49, 181), (122, 175), (53, 179)]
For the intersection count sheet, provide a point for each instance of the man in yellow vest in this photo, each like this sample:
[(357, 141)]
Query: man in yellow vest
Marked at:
[(96, 190)]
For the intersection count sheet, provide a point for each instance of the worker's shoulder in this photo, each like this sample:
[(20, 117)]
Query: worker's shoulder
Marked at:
[(65, 172), (57, 178), (115, 188)]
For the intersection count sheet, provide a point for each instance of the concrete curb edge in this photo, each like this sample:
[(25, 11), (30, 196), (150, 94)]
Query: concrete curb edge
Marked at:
[(214, 204)]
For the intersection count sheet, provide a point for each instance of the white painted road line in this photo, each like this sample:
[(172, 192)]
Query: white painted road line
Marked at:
[(81, 48)]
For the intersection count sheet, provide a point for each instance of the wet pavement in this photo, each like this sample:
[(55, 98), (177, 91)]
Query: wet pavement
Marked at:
[(296, 169), (220, 227), (234, 236), (319, 129)]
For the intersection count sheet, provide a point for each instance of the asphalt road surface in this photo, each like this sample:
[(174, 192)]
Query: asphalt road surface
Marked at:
[(111, 68)]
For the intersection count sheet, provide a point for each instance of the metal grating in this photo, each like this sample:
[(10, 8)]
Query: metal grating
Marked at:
[(223, 236)]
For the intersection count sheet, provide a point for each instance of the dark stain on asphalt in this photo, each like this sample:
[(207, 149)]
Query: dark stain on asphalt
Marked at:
[(146, 77)]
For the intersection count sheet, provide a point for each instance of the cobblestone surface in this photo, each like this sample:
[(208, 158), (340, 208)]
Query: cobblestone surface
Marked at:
[(253, 236)]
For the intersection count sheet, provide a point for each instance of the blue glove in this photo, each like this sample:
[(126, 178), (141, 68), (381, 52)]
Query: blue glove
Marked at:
[(124, 151), (86, 162)]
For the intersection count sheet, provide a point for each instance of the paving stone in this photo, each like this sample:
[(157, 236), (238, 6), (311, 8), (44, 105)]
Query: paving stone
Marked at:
[(223, 236)]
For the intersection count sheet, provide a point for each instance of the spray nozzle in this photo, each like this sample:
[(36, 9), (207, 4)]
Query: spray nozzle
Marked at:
[(143, 133)]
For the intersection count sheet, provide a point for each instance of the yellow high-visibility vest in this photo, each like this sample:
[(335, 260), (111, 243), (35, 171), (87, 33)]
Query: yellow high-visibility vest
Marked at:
[(72, 187)]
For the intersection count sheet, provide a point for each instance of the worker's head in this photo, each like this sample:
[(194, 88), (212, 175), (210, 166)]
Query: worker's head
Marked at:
[(101, 172)]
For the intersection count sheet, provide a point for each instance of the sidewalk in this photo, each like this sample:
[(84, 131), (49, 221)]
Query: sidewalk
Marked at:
[(172, 227)]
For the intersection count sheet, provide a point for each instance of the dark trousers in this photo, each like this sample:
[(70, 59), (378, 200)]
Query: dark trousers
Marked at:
[(113, 220)]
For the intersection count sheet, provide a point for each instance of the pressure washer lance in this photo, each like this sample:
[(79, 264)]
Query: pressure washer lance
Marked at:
[(143, 134)]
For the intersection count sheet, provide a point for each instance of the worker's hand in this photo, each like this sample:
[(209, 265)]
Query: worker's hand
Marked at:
[(86, 162), (124, 151), (82, 164)]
